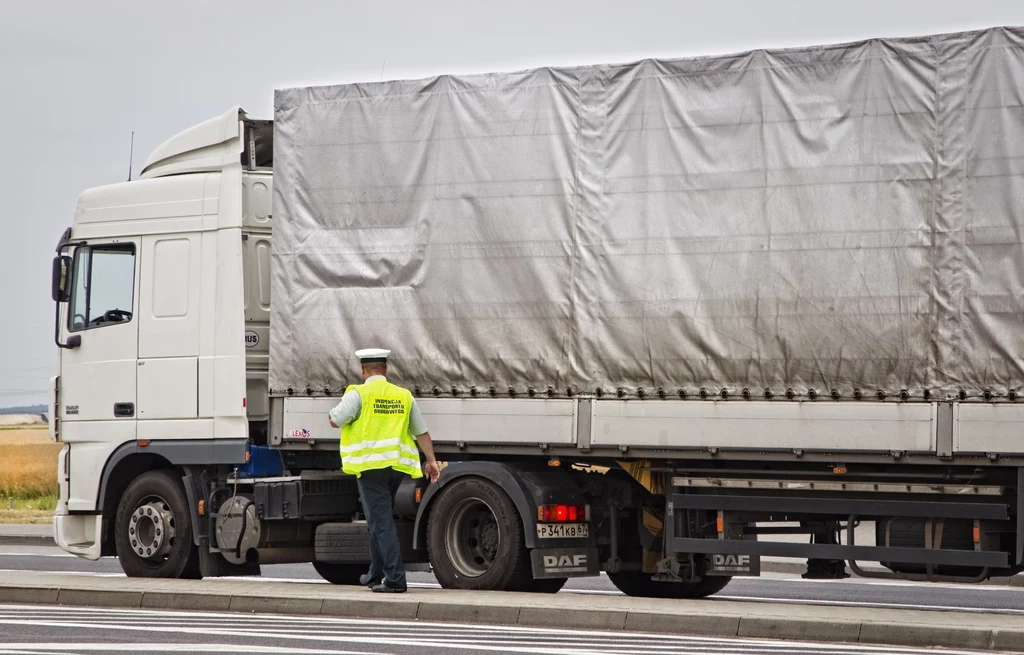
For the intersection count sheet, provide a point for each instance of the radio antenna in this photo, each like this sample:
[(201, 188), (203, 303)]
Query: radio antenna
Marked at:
[(131, 153)]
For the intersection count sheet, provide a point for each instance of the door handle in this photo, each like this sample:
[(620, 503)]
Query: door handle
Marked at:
[(124, 410)]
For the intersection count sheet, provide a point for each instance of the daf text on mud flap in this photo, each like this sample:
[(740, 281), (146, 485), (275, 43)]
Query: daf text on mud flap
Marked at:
[(564, 562), (734, 565)]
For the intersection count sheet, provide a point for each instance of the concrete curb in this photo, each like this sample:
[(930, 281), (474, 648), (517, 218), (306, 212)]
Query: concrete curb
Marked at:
[(27, 535), (705, 618)]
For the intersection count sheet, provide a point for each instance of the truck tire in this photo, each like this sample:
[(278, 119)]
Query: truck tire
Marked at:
[(343, 543), (636, 583), (347, 574), (153, 529), (475, 538)]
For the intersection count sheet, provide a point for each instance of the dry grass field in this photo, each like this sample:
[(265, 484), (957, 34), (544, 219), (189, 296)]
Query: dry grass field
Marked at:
[(28, 475)]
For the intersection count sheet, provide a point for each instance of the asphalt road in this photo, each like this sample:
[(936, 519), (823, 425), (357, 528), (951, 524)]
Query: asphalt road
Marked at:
[(48, 630), (770, 588)]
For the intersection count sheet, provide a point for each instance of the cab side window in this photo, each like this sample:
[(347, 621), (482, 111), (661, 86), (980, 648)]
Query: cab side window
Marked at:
[(103, 286)]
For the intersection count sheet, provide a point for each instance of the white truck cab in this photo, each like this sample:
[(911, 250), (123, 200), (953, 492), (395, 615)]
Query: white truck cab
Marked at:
[(156, 318)]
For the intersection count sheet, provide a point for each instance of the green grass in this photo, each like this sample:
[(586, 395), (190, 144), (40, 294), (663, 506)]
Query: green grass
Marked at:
[(40, 503), (38, 510)]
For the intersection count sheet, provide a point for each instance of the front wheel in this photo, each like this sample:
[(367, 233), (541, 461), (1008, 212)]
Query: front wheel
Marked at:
[(636, 583), (153, 529)]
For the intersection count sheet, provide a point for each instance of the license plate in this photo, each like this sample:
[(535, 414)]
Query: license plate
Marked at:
[(562, 530)]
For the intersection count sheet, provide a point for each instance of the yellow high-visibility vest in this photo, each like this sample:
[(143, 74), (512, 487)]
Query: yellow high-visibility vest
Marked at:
[(380, 437)]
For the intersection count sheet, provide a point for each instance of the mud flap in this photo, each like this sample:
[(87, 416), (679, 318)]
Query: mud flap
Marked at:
[(564, 562), (733, 565)]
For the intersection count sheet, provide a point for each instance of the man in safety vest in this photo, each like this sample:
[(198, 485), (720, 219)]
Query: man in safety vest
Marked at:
[(380, 427)]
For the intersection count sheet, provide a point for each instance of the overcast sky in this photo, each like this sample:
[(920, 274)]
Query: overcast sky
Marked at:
[(77, 77)]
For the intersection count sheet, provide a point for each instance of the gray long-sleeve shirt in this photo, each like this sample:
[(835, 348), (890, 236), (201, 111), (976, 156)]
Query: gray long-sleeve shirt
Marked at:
[(351, 405)]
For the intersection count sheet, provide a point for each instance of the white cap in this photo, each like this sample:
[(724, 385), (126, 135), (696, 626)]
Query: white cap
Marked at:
[(367, 355)]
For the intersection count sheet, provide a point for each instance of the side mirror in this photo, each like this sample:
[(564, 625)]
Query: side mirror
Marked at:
[(60, 280)]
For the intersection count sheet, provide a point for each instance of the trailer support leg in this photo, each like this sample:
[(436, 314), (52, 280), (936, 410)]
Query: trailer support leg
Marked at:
[(826, 569), (614, 563)]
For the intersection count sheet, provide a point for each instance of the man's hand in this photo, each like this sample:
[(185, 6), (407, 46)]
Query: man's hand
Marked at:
[(433, 470), (333, 424)]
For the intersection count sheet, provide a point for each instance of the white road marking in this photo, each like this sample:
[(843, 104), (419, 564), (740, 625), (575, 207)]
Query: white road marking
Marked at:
[(266, 579), (164, 647), (858, 603), (442, 636), (898, 583)]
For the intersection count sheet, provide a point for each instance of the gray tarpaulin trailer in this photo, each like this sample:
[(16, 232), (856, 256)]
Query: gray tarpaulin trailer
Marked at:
[(809, 255), (655, 314)]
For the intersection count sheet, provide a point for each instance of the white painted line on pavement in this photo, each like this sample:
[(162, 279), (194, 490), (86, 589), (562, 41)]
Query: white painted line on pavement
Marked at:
[(262, 578), (857, 603), (82, 574), (429, 636), (164, 647), (300, 622), (898, 583), (334, 638)]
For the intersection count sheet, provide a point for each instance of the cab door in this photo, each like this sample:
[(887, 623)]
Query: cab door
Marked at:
[(98, 376), (168, 329)]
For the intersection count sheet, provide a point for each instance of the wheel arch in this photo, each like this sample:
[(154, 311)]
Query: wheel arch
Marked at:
[(131, 460), (123, 466)]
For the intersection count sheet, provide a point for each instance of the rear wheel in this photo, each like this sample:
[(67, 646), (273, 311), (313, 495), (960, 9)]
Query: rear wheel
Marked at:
[(335, 573), (475, 539), (636, 583), (153, 529)]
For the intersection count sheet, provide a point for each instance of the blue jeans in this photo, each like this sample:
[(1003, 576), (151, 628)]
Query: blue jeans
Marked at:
[(377, 491)]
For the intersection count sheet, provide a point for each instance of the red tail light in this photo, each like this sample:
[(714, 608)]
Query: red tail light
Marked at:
[(563, 513)]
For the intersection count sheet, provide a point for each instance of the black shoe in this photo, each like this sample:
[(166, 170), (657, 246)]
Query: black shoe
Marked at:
[(367, 581), (384, 588)]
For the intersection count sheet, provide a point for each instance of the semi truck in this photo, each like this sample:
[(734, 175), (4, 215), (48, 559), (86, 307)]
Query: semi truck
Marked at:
[(663, 319)]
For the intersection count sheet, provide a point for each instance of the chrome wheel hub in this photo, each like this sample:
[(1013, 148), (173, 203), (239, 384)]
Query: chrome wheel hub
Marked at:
[(151, 530)]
